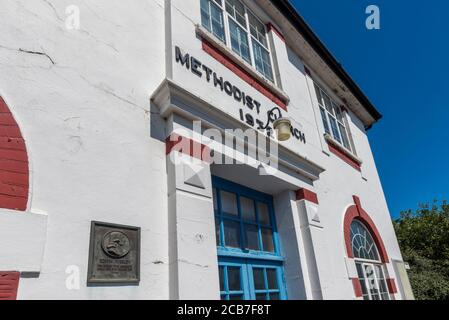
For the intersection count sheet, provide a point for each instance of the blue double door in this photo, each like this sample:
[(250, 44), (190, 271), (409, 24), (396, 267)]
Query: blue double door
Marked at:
[(247, 279)]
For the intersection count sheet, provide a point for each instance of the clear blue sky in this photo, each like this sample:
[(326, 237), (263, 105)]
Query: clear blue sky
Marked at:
[(404, 69)]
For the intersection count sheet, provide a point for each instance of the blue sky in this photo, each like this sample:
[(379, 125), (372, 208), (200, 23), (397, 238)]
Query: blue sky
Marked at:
[(404, 69)]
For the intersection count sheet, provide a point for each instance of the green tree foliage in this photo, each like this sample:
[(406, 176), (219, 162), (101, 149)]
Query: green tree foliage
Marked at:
[(423, 236)]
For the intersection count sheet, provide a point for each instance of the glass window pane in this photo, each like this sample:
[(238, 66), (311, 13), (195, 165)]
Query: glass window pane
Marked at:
[(272, 279), (217, 22), (262, 61), (236, 9), (252, 237), (267, 240), (259, 280), (360, 272), (257, 29), (264, 213), (212, 18), (328, 104), (221, 271), (232, 234), (228, 203), (344, 136), (224, 297), (247, 209), (257, 48), (234, 280), (369, 271), (371, 282), (236, 297), (325, 123), (205, 15), (274, 296), (239, 41), (261, 296), (385, 296), (338, 112), (383, 286), (363, 285), (363, 245), (335, 132), (379, 272)]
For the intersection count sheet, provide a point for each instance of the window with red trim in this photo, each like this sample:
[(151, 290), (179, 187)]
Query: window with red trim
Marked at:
[(370, 270), (333, 118), (239, 29)]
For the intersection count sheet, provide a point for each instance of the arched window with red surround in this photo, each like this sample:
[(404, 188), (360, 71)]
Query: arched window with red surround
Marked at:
[(365, 246), (370, 268)]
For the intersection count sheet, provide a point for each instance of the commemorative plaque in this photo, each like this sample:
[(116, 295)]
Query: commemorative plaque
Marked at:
[(114, 255)]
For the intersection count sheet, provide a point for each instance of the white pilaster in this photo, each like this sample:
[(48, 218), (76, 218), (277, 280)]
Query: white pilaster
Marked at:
[(193, 254)]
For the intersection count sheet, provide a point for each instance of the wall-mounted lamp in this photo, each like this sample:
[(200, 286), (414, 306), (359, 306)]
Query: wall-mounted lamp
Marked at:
[(283, 126)]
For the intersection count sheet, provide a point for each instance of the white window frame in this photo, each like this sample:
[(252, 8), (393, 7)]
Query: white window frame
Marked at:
[(366, 263), (247, 29), (344, 123)]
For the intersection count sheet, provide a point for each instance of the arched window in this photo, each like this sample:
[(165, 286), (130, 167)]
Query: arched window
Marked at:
[(370, 268), (363, 246)]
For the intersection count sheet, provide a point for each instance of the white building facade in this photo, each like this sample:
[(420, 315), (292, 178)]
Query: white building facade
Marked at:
[(143, 116)]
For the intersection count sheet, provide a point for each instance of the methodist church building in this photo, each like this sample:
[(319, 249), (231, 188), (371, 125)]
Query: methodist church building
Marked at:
[(185, 149)]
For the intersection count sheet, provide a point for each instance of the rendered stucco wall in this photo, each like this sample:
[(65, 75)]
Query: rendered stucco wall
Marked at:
[(83, 108)]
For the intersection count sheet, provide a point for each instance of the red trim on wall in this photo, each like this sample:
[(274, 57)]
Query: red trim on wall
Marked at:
[(304, 194), (187, 146), (392, 286), (14, 171), (344, 157), (356, 212), (358, 205), (357, 287), (243, 74), (270, 27), (9, 284)]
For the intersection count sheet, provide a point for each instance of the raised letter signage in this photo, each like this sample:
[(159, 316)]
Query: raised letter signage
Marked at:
[(249, 110)]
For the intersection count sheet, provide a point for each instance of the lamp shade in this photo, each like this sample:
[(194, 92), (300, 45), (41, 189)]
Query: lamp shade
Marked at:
[(283, 127)]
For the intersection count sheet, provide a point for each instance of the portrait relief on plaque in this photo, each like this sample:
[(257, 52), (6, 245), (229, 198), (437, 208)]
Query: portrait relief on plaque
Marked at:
[(116, 244)]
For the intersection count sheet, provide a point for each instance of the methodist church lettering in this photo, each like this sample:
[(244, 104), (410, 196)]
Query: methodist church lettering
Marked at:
[(203, 71)]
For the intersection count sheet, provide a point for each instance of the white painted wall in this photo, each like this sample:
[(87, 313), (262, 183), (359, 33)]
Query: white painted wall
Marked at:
[(86, 121), (95, 154)]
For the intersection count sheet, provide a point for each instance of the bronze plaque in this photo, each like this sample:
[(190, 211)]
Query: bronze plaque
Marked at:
[(114, 255)]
